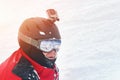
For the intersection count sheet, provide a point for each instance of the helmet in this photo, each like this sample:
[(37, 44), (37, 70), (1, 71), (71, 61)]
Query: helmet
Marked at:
[(37, 28)]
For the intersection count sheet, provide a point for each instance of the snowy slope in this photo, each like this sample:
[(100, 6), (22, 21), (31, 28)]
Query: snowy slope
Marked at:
[(90, 32)]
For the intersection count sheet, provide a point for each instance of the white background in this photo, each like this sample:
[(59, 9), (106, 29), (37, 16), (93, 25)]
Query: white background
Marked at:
[(90, 31)]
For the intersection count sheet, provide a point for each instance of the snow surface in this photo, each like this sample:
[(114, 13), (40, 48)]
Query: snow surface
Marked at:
[(90, 31)]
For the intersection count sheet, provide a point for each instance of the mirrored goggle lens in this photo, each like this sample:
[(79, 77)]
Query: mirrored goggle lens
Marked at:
[(49, 45)]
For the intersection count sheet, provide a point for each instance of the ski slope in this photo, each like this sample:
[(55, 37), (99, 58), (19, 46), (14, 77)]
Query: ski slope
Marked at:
[(90, 31)]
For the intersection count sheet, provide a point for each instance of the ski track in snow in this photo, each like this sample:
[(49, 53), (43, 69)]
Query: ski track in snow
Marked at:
[(90, 39)]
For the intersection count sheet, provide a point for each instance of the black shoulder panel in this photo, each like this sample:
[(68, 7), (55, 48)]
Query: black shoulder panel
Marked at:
[(25, 70)]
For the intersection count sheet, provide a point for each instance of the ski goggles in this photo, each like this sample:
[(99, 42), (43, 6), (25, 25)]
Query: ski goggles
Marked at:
[(49, 45), (45, 45)]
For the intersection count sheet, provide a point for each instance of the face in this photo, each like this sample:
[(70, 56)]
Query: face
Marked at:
[(50, 55)]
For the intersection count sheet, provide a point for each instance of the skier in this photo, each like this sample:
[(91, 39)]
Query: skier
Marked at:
[(39, 41)]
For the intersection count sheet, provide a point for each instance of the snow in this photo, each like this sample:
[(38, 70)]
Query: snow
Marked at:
[(90, 31)]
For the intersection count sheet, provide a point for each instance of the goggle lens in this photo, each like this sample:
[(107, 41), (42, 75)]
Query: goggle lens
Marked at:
[(49, 45)]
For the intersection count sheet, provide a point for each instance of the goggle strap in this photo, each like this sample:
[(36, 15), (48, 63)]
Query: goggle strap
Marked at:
[(28, 40)]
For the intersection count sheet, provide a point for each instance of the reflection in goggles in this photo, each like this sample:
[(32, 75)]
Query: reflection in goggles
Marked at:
[(49, 45)]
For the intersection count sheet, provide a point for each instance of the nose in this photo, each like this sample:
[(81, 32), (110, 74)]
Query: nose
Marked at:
[(52, 53)]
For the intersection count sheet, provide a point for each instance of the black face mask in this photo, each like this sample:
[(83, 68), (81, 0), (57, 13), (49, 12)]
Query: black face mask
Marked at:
[(37, 55)]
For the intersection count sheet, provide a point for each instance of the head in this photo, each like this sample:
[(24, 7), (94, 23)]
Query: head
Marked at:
[(40, 40)]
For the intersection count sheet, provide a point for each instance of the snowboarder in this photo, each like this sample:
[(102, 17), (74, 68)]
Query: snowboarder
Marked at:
[(39, 41)]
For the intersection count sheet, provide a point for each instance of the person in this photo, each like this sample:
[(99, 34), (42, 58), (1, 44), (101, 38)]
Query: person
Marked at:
[(39, 41)]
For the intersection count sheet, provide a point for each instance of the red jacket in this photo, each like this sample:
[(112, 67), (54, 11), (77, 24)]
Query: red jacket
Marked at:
[(20, 67)]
